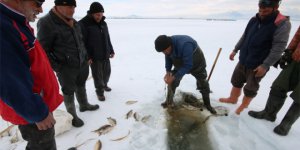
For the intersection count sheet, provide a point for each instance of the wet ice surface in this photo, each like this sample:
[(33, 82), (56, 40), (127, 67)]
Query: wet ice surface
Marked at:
[(187, 130)]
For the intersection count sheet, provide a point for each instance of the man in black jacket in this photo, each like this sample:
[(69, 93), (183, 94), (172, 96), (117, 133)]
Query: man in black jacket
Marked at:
[(99, 47), (61, 37)]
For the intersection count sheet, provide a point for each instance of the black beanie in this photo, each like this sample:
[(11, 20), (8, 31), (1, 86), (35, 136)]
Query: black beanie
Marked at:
[(95, 7), (41, 1), (162, 42), (65, 3)]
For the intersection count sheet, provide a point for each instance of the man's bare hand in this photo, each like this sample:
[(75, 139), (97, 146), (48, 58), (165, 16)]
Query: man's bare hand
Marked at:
[(47, 123), (169, 78), (90, 61), (260, 71), (111, 55), (231, 56)]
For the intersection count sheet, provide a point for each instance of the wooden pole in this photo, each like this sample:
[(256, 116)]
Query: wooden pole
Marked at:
[(213, 67)]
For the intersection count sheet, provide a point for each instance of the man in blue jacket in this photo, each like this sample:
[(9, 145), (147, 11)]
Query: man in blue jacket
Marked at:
[(183, 52)]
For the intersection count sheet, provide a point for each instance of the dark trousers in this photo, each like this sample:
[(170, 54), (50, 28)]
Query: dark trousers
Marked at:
[(289, 80), (202, 83), (101, 73), (71, 78), (38, 139)]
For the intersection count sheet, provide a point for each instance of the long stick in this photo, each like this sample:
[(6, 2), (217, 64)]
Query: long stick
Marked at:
[(213, 67)]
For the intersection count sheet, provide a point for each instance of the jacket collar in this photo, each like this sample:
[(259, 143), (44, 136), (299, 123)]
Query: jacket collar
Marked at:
[(268, 19), (58, 19), (13, 14)]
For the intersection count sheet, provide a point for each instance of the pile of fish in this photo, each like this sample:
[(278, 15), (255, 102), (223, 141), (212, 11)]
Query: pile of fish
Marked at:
[(113, 122)]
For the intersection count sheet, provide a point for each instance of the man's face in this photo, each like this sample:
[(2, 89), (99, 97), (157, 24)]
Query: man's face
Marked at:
[(97, 16), (31, 8), (265, 11), (66, 11), (168, 50)]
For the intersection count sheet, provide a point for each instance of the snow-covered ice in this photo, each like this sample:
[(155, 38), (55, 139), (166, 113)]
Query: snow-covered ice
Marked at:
[(137, 75)]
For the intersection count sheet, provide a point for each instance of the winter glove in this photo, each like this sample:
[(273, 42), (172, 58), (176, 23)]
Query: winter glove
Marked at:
[(286, 58)]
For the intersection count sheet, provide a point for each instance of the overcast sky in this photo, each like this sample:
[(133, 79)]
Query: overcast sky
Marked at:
[(182, 8)]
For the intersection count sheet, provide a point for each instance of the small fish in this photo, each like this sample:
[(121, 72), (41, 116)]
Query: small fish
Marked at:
[(136, 116), (131, 102), (98, 145), (146, 118), (129, 114), (112, 121), (121, 138), (104, 129)]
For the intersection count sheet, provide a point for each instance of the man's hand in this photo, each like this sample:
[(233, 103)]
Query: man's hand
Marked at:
[(47, 123), (296, 55), (260, 71), (169, 78), (90, 61), (231, 56), (111, 55)]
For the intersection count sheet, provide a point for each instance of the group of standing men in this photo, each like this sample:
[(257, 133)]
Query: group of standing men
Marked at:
[(29, 89)]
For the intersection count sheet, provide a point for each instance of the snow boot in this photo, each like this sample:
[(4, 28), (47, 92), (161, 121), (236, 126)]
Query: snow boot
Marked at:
[(107, 89), (289, 119), (84, 105), (234, 95), (100, 95), (206, 100), (70, 106), (245, 104), (274, 104)]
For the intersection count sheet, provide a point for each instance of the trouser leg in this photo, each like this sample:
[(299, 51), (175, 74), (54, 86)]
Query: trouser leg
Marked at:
[(203, 86), (38, 139), (97, 73), (107, 72)]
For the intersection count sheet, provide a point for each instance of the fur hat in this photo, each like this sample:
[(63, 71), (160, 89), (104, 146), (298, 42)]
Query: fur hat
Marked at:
[(95, 7), (162, 42), (65, 3)]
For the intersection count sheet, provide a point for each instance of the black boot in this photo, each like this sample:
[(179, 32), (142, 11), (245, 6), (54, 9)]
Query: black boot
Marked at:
[(169, 99), (70, 106), (84, 105), (206, 100), (289, 119), (274, 104), (100, 95)]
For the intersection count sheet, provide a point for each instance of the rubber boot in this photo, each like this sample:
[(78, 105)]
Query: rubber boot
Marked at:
[(245, 104), (234, 95), (289, 119), (84, 105), (274, 104), (100, 95), (107, 88), (206, 100), (70, 106), (169, 100)]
